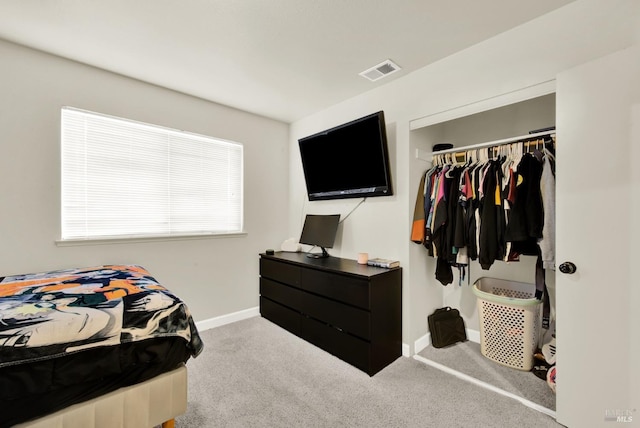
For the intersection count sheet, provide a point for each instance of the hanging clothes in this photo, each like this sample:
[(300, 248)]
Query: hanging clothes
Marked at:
[(419, 218), (526, 217), (486, 209), (441, 224), (548, 190), (421, 229), (453, 213), (491, 241)]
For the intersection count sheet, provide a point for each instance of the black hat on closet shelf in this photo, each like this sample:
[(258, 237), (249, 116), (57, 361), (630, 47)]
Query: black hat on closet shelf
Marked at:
[(442, 146)]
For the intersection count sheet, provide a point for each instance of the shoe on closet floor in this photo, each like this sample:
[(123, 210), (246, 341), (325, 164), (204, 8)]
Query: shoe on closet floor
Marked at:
[(540, 369), (549, 351), (551, 378)]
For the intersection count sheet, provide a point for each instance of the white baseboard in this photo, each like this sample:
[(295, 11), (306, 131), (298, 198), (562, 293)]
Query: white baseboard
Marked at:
[(406, 350), (424, 341), (473, 335), (228, 318)]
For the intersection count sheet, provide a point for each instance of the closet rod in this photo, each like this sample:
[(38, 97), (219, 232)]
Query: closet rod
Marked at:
[(496, 143)]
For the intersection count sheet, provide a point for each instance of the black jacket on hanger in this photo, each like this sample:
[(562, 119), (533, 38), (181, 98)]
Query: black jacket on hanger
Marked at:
[(492, 221), (440, 237), (526, 217)]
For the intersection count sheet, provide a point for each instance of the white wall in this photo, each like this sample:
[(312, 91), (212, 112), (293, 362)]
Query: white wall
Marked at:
[(522, 57), (215, 276)]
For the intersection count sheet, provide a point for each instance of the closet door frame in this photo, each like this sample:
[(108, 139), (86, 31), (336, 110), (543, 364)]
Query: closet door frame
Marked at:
[(527, 268), (597, 116)]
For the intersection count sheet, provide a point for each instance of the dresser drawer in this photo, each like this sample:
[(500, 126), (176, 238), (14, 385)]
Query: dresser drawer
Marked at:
[(347, 289), (348, 318), (286, 318), (281, 272), (348, 348), (344, 317), (283, 294)]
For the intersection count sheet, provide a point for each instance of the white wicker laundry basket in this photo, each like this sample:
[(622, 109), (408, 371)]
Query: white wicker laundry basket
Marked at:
[(509, 321)]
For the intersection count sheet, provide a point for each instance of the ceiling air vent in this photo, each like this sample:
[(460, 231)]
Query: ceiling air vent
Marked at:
[(379, 71)]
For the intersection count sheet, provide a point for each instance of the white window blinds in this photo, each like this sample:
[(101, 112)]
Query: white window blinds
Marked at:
[(128, 179)]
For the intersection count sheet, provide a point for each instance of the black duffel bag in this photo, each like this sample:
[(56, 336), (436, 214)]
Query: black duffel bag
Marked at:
[(446, 327)]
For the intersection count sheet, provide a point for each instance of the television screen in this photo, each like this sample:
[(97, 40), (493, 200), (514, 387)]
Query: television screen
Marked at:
[(320, 231), (348, 161)]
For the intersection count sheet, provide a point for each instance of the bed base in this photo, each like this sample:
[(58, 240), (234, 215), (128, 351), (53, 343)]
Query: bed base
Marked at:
[(148, 404)]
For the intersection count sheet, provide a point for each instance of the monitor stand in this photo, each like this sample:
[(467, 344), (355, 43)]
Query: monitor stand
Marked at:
[(322, 255)]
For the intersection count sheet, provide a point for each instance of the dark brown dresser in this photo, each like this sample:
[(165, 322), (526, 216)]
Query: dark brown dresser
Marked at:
[(350, 310)]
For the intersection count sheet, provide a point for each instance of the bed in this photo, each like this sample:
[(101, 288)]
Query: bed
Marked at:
[(107, 342)]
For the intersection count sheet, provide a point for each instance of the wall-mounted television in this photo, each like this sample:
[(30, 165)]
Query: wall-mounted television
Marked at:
[(348, 161)]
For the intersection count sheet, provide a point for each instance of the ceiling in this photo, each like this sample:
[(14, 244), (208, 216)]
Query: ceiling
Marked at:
[(284, 59)]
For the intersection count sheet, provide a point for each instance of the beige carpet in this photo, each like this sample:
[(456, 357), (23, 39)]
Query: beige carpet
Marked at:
[(252, 373), (466, 358)]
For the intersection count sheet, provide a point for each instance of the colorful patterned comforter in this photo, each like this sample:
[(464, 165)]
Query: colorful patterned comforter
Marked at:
[(51, 314)]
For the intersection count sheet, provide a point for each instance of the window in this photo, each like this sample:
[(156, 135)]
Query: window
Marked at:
[(125, 179)]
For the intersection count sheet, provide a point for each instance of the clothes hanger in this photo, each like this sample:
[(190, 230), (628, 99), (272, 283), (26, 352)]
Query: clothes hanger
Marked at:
[(538, 152), (548, 153)]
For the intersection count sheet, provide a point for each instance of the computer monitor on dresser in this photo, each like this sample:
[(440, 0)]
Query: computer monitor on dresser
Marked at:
[(320, 231)]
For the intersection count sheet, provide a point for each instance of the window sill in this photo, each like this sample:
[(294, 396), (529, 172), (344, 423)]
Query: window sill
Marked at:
[(141, 239)]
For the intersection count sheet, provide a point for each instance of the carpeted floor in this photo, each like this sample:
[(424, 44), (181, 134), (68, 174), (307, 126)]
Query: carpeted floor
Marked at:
[(252, 373), (465, 357)]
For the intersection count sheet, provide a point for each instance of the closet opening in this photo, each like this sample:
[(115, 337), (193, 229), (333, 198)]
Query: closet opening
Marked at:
[(465, 359)]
